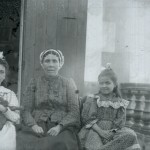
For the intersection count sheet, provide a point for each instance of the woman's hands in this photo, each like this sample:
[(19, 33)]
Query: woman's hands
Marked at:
[(55, 130), (37, 129), (3, 109)]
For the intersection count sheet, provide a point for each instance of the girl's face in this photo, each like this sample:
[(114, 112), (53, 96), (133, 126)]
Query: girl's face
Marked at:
[(2, 73), (51, 65), (106, 85)]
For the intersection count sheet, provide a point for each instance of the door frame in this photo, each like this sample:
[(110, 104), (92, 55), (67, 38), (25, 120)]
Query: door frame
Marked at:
[(22, 12)]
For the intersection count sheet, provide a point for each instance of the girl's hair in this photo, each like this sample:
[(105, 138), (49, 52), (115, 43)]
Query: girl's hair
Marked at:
[(108, 72), (117, 91), (4, 63)]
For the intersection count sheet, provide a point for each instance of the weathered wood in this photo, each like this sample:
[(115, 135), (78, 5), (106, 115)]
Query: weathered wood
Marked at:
[(28, 43), (81, 43), (21, 49), (58, 24), (40, 39), (74, 41), (51, 23), (69, 38)]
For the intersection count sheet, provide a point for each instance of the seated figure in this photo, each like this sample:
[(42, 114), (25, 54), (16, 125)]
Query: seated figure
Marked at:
[(51, 109), (103, 116), (8, 116)]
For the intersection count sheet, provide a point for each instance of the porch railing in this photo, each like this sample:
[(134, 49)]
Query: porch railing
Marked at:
[(138, 110)]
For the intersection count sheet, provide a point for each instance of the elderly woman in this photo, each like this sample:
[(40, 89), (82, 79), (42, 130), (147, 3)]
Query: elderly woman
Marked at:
[(51, 113), (8, 116)]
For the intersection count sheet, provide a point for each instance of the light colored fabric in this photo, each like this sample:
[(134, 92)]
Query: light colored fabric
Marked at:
[(12, 101), (8, 133), (116, 105), (12, 116), (91, 124), (101, 103), (8, 137)]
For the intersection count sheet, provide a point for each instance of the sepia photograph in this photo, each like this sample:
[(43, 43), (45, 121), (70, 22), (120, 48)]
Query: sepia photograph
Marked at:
[(74, 75)]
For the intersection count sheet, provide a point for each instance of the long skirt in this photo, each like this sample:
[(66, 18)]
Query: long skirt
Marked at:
[(124, 139), (8, 137), (28, 140)]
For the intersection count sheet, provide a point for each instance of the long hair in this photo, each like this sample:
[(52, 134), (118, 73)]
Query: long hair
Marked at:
[(108, 72), (117, 91)]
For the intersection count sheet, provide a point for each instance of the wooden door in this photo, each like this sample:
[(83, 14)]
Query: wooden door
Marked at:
[(58, 24)]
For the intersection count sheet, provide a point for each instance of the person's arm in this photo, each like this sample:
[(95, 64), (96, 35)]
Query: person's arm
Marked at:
[(9, 114), (107, 134), (120, 120), (73, 116), (118, 123), (96, 128), (28, 104), (89, 112)]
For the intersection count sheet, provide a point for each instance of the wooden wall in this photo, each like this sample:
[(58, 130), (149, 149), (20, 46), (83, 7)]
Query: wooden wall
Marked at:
[(58, 24)]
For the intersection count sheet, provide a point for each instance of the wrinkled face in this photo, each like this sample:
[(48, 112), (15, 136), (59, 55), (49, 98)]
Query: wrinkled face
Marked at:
[(106, 85), (2, 73), (51, 65)]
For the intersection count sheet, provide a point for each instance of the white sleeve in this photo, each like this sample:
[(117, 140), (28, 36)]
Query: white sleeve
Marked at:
[(12, 115)]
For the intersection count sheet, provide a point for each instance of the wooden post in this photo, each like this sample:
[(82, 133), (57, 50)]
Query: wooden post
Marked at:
[(20, 49)]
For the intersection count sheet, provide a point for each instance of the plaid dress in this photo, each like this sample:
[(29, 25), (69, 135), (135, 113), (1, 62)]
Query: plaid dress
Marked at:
[(108, 115), (50, 101)]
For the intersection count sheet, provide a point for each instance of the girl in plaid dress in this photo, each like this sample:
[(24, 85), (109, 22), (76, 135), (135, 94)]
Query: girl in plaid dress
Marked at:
[(104, 116)]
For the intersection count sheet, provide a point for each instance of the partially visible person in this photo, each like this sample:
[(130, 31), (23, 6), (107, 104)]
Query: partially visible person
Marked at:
[(104, 116), (51, 115), (8, 117)]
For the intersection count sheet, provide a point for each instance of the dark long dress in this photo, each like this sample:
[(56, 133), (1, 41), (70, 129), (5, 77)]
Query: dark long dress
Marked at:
[(48, 102)]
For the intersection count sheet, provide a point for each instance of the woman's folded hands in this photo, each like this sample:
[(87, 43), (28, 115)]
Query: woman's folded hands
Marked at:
[(54, 131)]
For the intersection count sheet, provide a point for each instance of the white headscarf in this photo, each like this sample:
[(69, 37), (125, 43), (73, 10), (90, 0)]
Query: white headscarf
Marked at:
[(60, 55)]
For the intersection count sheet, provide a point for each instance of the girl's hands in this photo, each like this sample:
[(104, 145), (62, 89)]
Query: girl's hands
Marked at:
[(3, 109), (107, 134), (37, 129), (55, 130)]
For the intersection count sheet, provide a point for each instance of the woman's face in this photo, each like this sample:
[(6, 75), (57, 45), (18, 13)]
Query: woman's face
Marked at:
[(106, 85), (2, 73), (51, 65)]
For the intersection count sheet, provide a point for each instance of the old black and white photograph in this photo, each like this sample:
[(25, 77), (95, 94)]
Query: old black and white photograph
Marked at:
[(74, 75)]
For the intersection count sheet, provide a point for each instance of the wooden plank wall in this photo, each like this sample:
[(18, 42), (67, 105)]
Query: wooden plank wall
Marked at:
[(58, 24)]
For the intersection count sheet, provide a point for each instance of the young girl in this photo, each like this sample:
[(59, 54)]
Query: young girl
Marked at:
[(104, 115), (7, 116)]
